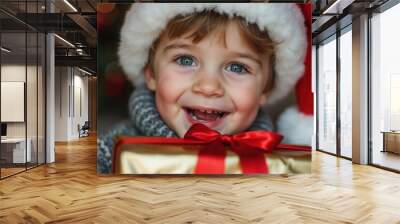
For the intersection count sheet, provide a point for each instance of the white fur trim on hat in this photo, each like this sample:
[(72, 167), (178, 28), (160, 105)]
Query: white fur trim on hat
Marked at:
[(284, 22), (296, 127)]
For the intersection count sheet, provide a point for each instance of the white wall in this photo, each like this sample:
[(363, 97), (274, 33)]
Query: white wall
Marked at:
[(13, 73), (33, 126), (62, 80), (71, 93)]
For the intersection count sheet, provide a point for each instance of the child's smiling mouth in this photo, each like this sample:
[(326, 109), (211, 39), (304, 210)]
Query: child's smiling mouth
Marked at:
[(208, 116)]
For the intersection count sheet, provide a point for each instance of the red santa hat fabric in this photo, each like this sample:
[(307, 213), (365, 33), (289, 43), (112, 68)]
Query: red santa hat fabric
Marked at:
[(296, 123)]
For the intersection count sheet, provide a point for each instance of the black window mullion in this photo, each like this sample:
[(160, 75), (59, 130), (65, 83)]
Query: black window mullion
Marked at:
[(317, 96), (37, 90), (73, 92), (45, 94), (26, 87), (338, 100), (369, 86)]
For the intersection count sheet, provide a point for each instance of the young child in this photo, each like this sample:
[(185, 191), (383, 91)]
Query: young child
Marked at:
[(214, 64)]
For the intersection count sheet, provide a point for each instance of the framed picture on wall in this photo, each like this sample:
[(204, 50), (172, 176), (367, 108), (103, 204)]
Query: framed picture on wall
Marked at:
[(12, 101)]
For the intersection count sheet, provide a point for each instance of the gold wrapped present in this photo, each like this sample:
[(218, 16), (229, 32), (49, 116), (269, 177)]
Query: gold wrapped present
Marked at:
[(141, 158), (206, 151)]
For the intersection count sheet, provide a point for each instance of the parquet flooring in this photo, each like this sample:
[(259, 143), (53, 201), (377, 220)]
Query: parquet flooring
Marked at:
[(388, 159), (9, 171), (70, 191)]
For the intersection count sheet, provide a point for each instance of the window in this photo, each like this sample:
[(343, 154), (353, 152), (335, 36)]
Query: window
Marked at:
[(327, 95), (385, 88), (22, 68), (346, 93)]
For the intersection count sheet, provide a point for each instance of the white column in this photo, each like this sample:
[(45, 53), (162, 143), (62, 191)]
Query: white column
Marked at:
[(50, 92), (360, 90)]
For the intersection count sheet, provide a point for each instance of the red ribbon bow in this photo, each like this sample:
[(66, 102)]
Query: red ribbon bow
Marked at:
[(250, 146)]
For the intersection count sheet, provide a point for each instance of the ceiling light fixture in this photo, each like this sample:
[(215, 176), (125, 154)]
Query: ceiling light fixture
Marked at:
[(84, 71), (5, 50), (70, 5), (337, 7), (65, 41)]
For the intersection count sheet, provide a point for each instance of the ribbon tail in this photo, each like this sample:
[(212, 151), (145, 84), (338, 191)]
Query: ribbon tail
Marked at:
[(211, 160), (253, 163)]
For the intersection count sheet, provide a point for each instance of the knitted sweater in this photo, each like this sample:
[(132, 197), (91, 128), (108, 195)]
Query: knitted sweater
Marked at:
[(146, 121)]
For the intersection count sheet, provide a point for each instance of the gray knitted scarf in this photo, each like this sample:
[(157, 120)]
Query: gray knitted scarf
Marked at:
[(147, 120)]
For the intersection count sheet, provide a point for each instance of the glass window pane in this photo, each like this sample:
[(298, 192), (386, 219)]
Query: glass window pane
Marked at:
[(386, 89), (327, 96), (13, 87), (346, 94), (22, 76), (31, 86), (31, 97)]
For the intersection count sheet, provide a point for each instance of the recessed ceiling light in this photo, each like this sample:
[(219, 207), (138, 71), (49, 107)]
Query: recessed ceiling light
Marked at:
[(5, 50), (65, 41), (70, 5), (84, 71), (337, 7)]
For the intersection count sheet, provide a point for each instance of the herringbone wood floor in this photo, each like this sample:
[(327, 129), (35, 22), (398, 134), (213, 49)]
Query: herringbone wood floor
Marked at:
[(70, 191)]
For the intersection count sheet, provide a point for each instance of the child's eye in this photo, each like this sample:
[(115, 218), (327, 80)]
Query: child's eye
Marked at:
[(237, 68), (185, 60)]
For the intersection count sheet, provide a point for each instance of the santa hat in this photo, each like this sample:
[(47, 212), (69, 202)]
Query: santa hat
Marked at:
[(284, 23), (296, 122)]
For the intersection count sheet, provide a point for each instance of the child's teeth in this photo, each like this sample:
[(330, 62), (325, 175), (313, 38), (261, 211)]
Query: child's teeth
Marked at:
[(212, 115), (207, 111)]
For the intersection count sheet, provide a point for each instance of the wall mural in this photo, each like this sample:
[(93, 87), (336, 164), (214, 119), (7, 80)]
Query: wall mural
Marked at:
[(189, 88)]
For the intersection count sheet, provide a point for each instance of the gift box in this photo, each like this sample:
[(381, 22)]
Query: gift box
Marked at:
[(204, 151)]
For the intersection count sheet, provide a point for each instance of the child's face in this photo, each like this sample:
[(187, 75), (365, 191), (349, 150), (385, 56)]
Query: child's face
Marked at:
[(221, 86)]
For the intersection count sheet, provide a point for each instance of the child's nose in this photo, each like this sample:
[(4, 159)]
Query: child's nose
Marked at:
[(208, 85)]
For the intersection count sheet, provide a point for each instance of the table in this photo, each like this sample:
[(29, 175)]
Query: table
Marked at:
[(13, 150), (391, 141)]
